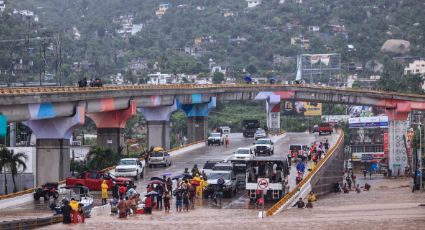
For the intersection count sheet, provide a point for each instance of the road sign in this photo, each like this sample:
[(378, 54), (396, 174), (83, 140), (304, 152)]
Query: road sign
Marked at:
[(263, 183)]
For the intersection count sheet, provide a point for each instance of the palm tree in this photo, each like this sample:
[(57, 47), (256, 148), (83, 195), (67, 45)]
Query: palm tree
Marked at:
[(11, 162), (99, 158)]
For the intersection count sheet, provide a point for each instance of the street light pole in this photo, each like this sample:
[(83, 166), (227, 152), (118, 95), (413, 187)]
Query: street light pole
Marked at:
[(419, 158)]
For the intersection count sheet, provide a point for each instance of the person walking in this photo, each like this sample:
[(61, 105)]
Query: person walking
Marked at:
[(115, 191), (122, 191), (178, 193), (167, 197), (104, 188), (74, 210), (122, 209), (300, 203), (160, 190), (226, 141), (148, 204), (66, 212), (370, 174), (326, 145), (364, 173)]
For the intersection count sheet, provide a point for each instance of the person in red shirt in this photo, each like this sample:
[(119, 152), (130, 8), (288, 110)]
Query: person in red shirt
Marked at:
[(148, 205), (122, 190)]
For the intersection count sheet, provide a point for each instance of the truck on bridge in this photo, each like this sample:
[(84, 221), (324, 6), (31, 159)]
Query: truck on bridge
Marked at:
[(250, 127)]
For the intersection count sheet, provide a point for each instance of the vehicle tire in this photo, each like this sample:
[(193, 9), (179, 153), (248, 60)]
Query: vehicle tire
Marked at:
[(46, 196), (137, 176), (36, 196), (142, 174), (55, 195), (150, 166)]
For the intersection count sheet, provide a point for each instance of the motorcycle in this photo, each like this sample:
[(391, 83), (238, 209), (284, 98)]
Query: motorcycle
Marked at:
[(46, 191)]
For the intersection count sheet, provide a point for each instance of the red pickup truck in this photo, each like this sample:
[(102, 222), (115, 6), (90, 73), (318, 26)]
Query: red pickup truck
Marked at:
[(93, 180), (325, 128)]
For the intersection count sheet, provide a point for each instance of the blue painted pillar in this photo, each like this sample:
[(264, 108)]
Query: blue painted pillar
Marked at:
[(197, 124), (52, 148), (158, 124)]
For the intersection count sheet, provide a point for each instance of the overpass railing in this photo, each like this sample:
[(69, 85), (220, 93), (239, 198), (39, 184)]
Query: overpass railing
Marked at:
[(74, 89), (279, 205)]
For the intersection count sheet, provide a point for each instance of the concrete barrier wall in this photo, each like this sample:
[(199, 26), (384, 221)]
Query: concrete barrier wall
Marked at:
[(327, 172), (330, 173)]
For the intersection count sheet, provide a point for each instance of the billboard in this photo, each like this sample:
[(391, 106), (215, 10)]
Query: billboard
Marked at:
[(299, 108), (368, 122)]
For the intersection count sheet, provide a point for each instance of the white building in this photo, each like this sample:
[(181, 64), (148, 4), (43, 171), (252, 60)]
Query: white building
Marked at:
[(161, 10), (2, 6), (314, 28), (161, 78), (417, 67), (117, 79), (253, 3)]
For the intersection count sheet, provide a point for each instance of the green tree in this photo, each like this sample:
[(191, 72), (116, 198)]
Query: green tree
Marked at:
[(9, 161), (356, 85), (218, 78), (99, 158), (251, 69)]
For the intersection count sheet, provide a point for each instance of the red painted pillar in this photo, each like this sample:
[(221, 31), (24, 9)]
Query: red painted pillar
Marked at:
[(397, 131), (110, 126)]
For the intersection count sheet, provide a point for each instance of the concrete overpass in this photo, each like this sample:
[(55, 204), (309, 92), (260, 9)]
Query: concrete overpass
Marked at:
[(53, 112)]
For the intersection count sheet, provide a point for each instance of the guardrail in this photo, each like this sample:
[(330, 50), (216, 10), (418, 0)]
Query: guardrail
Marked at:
[(30, 223), (275, 208), (74, 89)]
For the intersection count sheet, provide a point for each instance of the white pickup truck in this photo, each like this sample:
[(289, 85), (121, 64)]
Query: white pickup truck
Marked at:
[(130, 167)]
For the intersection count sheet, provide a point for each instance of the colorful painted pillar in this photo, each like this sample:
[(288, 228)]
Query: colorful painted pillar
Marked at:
[(110, 126), (273, 113), (197, 123), (397, 131), (158, 124), (52, 146)]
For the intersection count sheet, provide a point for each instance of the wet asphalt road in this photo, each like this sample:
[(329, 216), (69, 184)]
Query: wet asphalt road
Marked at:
[(187, 160)]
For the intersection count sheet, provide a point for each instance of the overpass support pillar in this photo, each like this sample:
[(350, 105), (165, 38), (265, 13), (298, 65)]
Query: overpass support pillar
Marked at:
[(158, 122), (197, 125), (273, 113), (397, 130), (110, 126), (52, 147)]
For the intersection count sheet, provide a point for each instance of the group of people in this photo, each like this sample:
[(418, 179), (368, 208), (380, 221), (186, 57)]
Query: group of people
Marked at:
[(72, 212), (315, 153), (310, 200), (93, 83)]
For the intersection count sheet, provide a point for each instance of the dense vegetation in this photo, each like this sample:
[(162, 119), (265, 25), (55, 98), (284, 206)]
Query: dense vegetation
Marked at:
[(266, 28)]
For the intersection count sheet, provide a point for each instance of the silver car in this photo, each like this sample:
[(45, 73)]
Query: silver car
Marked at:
[(260, 133), (159, 158)]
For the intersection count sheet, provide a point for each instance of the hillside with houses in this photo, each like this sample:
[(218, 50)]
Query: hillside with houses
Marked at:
[(178, 41)]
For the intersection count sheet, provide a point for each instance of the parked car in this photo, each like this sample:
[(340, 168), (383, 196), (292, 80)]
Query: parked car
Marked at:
[(260, 133), (263, 146), (243, 154), (93, 180), (130, 167), (159, 157), (215, 138)]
